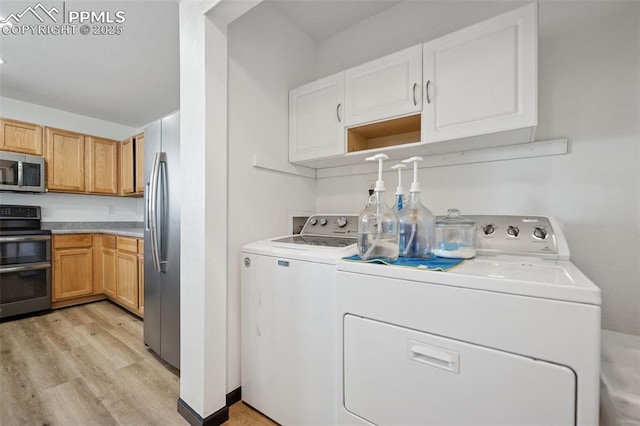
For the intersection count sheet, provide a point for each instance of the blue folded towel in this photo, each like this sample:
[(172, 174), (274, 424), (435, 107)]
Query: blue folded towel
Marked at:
[(434, 264)]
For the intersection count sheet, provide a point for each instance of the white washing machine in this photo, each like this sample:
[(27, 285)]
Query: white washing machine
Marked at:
[(510, 337), (289, 327)]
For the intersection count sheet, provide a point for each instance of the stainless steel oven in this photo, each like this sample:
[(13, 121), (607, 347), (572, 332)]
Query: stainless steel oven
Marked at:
[(25, 261)]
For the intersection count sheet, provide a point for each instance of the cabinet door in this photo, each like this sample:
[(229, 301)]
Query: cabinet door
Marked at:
[(72, 273), (17, 136), (139, 163), (316, 112), (64, 155), (126, 166), (141, 284), (482, 79), (127, 280), (385, 88), (109, 272), (102, 165)]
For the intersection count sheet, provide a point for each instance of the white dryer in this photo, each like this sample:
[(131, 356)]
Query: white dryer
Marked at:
[(509, 337), (289, 328)]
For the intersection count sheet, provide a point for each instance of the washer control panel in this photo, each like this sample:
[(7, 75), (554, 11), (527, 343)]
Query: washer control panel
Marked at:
[(515, 235), (326, 224)]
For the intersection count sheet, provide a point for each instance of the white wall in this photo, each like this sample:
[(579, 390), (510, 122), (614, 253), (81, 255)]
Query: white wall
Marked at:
[(267, 56), (57, 207), (589, 92)]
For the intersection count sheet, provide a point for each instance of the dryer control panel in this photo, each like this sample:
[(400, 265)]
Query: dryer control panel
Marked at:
[(538, 236)]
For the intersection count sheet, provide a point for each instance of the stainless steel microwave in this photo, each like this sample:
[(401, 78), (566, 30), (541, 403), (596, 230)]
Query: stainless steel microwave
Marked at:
[(21, 172)]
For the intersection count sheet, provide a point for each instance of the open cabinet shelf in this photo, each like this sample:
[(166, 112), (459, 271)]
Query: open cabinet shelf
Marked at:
[(394, 132)]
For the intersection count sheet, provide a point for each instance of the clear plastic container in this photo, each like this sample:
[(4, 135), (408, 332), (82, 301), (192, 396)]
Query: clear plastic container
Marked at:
[(415, 223), (455, 236), (378, 231)]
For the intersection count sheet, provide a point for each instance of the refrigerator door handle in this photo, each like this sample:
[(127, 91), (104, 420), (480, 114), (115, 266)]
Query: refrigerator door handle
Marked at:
[(153, 210), (147, 207)]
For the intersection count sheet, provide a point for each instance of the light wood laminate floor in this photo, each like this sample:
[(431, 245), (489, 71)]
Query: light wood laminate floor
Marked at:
[(88, 365)]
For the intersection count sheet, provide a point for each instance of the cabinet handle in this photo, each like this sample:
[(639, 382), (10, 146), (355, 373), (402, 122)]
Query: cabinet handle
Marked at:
[(415, 98), (338, 113), (427, 91)]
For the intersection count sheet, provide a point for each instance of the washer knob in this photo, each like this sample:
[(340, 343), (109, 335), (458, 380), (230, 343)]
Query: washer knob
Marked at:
[(513, 231), (540, 233), (488, 229), (313, 221), (341, 222), (323, 221)]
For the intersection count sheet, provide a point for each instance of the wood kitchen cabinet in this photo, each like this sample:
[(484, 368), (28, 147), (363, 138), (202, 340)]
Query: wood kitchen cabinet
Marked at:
[(80, 163), (127, 274), (65, 158), (316, 119), (102, 165), (141, 276), (109, 265), (72, 266), (132, 165), (18, 136)]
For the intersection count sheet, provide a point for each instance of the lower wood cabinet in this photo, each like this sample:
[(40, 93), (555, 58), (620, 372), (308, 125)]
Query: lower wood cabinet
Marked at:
[(72, 266), (127, 290), (108, 267), (88, 267)]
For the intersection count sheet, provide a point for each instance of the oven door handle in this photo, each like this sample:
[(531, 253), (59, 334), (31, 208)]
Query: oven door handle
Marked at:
[(30, 267), (24, 238)]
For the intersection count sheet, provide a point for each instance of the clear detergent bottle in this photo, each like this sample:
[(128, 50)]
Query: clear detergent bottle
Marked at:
[(415, 222), (378, 224), (399, 189)]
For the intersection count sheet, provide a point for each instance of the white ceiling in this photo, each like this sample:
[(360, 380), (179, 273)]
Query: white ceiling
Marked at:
[(132, 78), (322, 18)]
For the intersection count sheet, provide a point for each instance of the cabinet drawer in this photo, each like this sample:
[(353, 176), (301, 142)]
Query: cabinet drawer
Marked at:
[(127, 244), (72, 241), (141, 246), (109, 241)]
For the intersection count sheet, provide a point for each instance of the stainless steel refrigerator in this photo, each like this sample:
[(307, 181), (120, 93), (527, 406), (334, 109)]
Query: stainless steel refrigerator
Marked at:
[(162, 238)]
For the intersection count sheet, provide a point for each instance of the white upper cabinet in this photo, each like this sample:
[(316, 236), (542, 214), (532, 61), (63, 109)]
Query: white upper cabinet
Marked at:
[(316, 115), (384, 88), (482, 79)]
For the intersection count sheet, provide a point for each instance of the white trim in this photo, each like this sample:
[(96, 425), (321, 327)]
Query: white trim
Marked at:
[(511, 152), (288, 168)]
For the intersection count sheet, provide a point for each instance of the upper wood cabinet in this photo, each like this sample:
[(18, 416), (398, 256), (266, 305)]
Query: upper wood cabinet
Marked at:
[(139, 169), (18, 136), (384, 88), (102, 165), (482, 79), (65, 157), (81, 163), (316, 116), (132, 165)]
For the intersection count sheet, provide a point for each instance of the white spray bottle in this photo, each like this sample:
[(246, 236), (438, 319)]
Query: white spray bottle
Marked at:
[(378, 224), (415, 222), (399, 189)]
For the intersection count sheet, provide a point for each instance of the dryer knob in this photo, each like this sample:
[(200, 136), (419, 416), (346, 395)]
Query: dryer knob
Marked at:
[(341, 222), (513, 231), (540, 233), (313, 221), (488, 229), (323, 221)]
